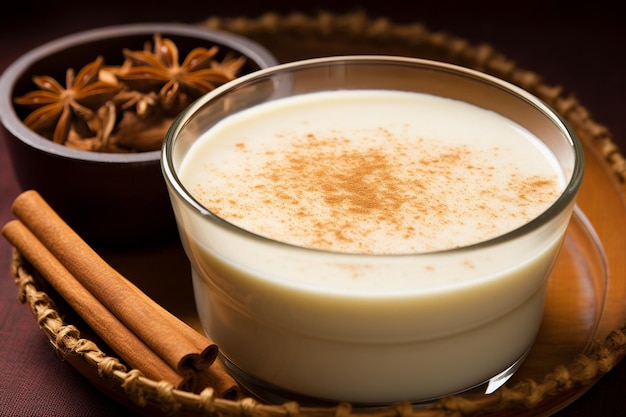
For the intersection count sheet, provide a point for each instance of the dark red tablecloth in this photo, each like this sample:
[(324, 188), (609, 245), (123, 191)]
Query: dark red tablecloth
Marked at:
[(579, 46)]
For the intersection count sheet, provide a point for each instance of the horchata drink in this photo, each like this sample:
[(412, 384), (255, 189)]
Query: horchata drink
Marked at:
[(372, 172), (357, 234)]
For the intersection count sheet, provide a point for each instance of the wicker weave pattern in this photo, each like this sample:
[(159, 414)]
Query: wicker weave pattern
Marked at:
[(354, 29)]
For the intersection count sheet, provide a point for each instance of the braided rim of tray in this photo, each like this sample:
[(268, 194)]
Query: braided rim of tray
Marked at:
[(583, 370)]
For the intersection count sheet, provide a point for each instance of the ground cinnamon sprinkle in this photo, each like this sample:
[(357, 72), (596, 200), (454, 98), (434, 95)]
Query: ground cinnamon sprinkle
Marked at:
[(366, 192), (373, 172)]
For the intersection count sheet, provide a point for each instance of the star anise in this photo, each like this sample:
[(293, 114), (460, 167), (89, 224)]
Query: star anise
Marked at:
[(177, 84), (59, 109), (128, 107), (100, 139)]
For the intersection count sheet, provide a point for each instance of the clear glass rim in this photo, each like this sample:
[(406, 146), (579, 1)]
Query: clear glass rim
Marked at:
[(565, 199)]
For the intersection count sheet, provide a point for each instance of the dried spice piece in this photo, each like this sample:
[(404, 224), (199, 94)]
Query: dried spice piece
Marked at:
[(125, 108), (177, 83), (58, 108)]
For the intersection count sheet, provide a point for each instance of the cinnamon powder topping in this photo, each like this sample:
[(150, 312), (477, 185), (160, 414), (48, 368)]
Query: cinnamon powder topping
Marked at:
[(374, 190)]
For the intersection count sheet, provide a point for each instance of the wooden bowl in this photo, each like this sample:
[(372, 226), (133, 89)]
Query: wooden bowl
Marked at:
[(110, 199)]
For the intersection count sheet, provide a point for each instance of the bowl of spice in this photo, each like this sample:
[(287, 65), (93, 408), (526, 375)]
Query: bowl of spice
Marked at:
[(84, 117)]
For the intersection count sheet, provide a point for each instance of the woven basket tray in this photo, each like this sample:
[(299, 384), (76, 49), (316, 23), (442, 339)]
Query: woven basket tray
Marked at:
[(594, 343)]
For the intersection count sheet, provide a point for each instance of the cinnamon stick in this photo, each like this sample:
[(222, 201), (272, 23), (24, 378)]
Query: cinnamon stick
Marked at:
[(112, 331), (217, 377), (181, 347)]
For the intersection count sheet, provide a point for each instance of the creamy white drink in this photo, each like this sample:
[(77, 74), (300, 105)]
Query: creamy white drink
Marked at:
[(373, 172), (382, 231)]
